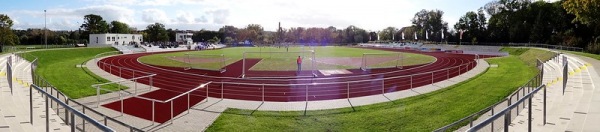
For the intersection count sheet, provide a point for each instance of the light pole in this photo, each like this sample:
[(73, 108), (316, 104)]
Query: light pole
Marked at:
[(45, 30)]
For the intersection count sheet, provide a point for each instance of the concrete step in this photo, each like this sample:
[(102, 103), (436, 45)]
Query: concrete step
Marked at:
[(16, 113), (562, 109)]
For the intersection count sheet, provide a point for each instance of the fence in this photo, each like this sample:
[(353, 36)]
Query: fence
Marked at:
[(10, 49), (507, 112), (356, 88), (513, 98), (68, 109), (60, 104), (171, 100)]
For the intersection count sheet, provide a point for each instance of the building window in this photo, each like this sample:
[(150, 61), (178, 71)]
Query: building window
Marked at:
[(107, 38), (132, 37), (113, 39)]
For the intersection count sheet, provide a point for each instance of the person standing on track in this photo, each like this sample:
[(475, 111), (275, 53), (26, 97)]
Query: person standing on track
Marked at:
[(299, 61)]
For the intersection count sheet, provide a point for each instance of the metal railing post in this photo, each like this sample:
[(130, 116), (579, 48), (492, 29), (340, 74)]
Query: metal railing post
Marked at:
[(506, 121), (153, 114), (66, 112), (121, 98), (31, 106), (97, 96), (47, 115), (244, 65), (222, 89), (544, 105), (348, 90), (447, 73), (431, 78), (492, 115), (529, 115), (306, 86), (151, 83), (172, 111), (207, 93), (411, 81), (382, 86), (73, 122), (83, 124), (188, 102)]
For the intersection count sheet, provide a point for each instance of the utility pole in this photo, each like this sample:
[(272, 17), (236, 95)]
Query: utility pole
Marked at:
[(45, 31)]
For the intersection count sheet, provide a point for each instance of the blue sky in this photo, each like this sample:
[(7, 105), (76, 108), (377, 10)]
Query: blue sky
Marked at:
[(372, 15)]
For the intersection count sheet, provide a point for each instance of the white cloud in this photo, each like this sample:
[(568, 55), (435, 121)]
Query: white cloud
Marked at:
[(202, 19), (72, 18), (148, 2), (155, 15), (219, 16), (186, 17)]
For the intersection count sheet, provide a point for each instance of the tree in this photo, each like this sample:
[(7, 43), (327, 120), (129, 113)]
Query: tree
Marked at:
[(387, 34), (94, 24), (474, 25), (156, 32), (119, 27), (255, 33), (7, 36), (431, 23), (585, 11)]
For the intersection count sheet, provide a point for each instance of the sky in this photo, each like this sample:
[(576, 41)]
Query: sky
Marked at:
[(371, 15)]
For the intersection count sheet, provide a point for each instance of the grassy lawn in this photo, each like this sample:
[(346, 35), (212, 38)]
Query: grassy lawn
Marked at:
[(280, 61), (424, 112), (58, 67), (595, 56), (529, 55)]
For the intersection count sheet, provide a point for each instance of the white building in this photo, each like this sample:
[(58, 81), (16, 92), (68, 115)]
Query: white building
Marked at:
[(107, 39), (184, 38)]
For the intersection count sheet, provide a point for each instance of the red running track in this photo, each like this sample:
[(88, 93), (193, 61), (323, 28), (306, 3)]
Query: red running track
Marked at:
[(174, 81)]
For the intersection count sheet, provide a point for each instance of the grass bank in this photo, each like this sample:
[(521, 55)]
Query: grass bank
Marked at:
[(59, 68), (424, 112)]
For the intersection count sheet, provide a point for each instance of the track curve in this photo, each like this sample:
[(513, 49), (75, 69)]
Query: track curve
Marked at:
[(173, 81)]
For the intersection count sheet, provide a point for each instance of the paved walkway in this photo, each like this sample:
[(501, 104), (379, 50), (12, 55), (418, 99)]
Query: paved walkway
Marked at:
[(203, 114)]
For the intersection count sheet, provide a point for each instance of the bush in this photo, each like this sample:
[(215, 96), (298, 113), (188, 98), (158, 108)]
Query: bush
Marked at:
[(594, 46)]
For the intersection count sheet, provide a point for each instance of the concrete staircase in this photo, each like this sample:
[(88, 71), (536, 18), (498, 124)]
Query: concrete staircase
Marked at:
[(14, 113), (568, 112)]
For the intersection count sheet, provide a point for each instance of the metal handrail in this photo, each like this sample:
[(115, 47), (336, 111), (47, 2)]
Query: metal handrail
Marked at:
[(368, 80), (105, 116), (39, 79), (444, 128), (173, 98), (505, 110), (69, 108), (123, 80), (538, 78)]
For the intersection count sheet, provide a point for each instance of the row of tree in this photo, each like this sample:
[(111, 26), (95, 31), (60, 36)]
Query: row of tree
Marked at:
[(565, 22)]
